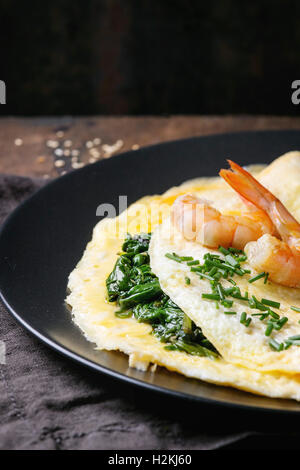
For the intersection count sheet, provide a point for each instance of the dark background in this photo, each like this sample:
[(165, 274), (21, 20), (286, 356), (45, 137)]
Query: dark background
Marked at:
[(149, 57)]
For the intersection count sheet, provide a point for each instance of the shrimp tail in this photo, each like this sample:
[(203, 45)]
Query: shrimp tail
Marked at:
[(249, 188)]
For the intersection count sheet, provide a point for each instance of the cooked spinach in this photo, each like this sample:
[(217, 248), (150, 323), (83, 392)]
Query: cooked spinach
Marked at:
[(136, 290)]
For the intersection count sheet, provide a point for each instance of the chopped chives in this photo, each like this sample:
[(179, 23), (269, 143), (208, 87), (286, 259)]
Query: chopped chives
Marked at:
[(198, 269), (192, 263), (274, 314), (211, 296), (263, 316), (223, 250), (279, 324), (173, 257), (220, 291), (266, 278), (227, 303), (230, 313), (213, 271), (295, 342), (205, 275), (296, 309), (241, 258), (228, 290), (247, 322), (235, 250), (186, 258), (296, 337), (275, 345), (269, 329), (255, 278), (187, 280), (243, 317), (271, 303), (231, 260)]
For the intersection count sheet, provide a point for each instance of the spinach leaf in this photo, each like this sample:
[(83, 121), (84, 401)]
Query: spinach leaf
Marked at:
[(137, 292)]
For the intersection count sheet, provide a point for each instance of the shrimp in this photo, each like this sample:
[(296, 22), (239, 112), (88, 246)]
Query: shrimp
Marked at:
[(199, 221), (278, 255)]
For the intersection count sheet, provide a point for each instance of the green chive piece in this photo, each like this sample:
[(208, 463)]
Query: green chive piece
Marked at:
[(186, 258), (213, 271), (205, 275), (293, 338), (236, 250), (271, 303), (232, 282), (227, 303), (198, 269), (269, 329), (255, 278), (266, 278), (173, 256), (295, 342), (275, 345), (230, 313), (296, 309), (223, 250), (211, 296), (279, 324), (274, 314), (187, 280), (263, 316), (192, 263), (243, 317), (220, 291), (231, 260), (248, 321)]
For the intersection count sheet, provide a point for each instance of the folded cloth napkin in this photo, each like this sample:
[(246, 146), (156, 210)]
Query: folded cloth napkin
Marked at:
[(49, 402)]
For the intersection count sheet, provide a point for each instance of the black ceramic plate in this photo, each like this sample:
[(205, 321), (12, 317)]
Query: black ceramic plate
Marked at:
[(44, 238)]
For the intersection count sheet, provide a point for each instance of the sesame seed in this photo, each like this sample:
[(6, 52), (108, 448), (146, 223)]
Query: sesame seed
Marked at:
[(76, 165), (95, 153), (60, 134), (59, 152), (74, 159), (110, 149), (92, 160), (18, 142), (135, 147), (46, 177), (89, 144), (67, 143), (52, 144), (97, 141), (67, 153), (75, 153), (59, 163)]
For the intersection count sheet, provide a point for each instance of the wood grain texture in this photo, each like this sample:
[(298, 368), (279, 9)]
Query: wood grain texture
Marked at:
[(34, 132)]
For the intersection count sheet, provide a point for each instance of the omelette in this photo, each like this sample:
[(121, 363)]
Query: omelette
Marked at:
[(237, 356)]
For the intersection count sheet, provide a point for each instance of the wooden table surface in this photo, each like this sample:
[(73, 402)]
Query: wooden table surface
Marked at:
[(25, 150)]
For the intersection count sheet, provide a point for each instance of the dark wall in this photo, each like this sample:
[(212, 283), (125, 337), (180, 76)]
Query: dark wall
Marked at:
[(149, 56)]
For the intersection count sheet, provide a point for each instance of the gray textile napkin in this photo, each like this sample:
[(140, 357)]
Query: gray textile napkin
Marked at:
[(49, 402)]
